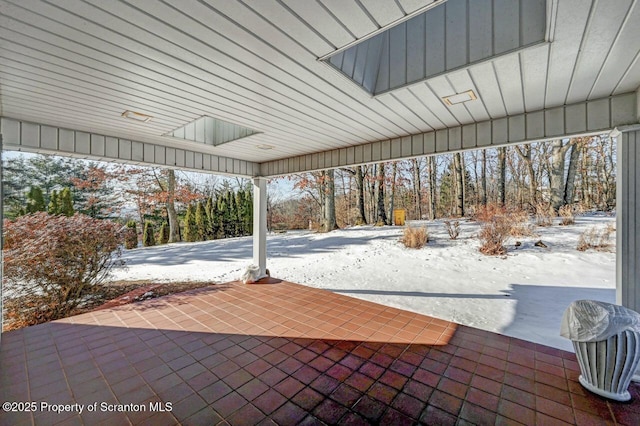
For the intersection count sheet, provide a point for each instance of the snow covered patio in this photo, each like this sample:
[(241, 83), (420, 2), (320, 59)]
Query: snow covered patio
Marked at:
[(281, 353)]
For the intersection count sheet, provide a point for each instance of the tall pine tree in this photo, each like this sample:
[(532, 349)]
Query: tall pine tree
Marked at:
[(190, 230)]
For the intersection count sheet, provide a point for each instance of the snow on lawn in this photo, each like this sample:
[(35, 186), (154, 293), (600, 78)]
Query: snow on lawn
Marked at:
[(522, 294)]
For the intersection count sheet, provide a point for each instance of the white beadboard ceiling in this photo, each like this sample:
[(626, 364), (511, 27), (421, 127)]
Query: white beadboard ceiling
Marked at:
[(79, 64)]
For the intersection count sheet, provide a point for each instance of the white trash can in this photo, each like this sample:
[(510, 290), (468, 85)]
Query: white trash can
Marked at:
[(606, 339)]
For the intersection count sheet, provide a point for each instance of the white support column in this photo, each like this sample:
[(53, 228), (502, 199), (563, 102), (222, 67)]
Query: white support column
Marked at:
[(260, 224), (628, 221)]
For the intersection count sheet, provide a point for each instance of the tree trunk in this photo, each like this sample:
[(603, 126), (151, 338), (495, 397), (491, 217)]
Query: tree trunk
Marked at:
[(459, 183), (527, 157), (174, 224), (558, 151), (432, 171), (362, 219), (329, 202), (502, 176), (393, 193), (574, 159), (483, 178), (381, 216), (417, 190)]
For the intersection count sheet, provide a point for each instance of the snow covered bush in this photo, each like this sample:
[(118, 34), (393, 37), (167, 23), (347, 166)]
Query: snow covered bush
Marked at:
[(520, 224), (487, 212), (453, 229), (566, 213), (596, 238), (494, 234), (415, 237), (544, 214), (54, 263)]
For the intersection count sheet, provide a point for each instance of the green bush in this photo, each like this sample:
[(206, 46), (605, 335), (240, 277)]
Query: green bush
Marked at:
[(131, 235), (164, 233), (148, 238)]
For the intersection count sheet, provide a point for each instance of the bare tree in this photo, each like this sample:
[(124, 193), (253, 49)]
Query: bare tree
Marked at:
[(417, 187), (432, 170), (525, 154), (483, 178), (393, 193), (459, 183), (574, 159), (381, 214), (174, 225), (558, 151), (329, 210), (502, 175)]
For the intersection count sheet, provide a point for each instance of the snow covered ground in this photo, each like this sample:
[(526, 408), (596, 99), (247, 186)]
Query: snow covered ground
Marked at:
[(522, 294)]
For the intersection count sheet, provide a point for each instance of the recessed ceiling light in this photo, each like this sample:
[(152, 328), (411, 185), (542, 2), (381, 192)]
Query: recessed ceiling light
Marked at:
[(265, 147), (137, 116), (459, 98)]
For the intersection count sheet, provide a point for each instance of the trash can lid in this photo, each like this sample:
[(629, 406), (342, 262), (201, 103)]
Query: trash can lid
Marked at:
[(593, 321)]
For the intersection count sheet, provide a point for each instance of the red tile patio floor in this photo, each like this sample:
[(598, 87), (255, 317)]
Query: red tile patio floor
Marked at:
[(282, 353)]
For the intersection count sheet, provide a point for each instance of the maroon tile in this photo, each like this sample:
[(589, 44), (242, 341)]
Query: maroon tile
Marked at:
[(393, 379), (446, 402), (238, 378), (346, 395), (516, 412), (289, 413), (519, 396), (248, 415), (252, 389), (353, 419), (334, 354), (188, 406), (382, 392), (306, 374), (396, 418), (458, 375), (289, 387), (483, 399), (369, 408), (551, 380), (403, 368), (325, 384), (329, 411), (352, 362), (229, 404), (434, 416), (290, 365), (382, 360), (589, 419), (269, 401), (359, 381), (408, 405), (305, 356), (452, 387), (554, 409), (477, 414), (308, 398), (372, 370), (321, 364), (272, 376), (339, 372), (552, 393), (258, 367), (215, 391)]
